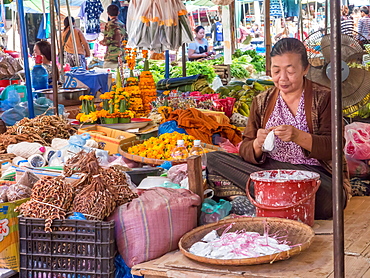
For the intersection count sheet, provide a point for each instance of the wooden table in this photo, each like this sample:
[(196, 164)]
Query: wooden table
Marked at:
[(317, 261)]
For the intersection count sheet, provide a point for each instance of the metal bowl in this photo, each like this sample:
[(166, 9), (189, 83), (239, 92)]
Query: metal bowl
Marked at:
[(66, 96)]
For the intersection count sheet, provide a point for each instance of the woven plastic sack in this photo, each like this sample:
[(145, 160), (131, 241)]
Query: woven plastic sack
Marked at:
[(357, 137), (152, 225)]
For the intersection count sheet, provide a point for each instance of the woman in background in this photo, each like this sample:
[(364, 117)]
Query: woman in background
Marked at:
[(199, 48), (83, 49), (43, 48)]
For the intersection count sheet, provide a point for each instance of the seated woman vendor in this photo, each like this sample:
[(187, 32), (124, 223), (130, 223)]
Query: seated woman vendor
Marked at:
[(199, 48), (43, 48), (298, 112)]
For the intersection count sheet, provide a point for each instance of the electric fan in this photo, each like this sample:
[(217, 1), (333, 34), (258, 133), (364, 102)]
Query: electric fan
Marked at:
[(355, 80)]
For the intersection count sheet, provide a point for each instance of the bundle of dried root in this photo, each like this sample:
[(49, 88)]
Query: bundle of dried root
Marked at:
[(96, 201), (97, 186), (51, 199), (118, 179), (82, 163), (43, 126)]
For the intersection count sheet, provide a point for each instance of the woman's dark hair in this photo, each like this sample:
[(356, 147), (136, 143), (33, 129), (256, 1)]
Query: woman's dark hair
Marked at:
[(45, 49), (66, 22), (198, 29), (113, 10), (290, 45), (364, 9)]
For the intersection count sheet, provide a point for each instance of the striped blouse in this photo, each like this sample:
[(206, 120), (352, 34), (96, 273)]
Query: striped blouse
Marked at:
[(364, 26)]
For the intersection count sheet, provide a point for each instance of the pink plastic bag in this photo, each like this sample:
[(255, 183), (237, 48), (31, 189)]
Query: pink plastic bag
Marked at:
[(357, 137), (152, 225), (228, 146)]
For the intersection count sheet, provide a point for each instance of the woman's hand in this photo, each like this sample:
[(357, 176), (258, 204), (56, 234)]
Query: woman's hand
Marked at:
[(258, 142), (288, 133)]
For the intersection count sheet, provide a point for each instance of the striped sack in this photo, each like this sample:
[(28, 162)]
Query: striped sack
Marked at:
[(152, 225)]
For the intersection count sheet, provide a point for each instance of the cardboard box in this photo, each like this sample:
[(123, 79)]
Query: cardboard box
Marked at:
[(111, 137)]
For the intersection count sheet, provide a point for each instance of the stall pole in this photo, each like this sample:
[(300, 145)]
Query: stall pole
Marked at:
[(243, 13), (14, 16), (194, 164), (300, 22), (183, 59), (233, 40), (54, 57), (326, 15), (167, 64), (267, 37), (337, 138), (61, 50), (22, 26), (72, 34)]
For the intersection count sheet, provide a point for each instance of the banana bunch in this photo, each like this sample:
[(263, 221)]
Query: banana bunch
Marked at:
[(246, 99), (243, 108)]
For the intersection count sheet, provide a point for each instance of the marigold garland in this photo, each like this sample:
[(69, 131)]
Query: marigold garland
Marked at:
[(148, 90), (161, 147)]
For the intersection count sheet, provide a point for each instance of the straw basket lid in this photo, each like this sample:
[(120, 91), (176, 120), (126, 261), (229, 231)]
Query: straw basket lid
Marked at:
[(123, 148), (222, 2), (299, 235)]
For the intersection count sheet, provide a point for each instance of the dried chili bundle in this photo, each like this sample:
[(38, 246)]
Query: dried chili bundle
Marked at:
[(51, 199)]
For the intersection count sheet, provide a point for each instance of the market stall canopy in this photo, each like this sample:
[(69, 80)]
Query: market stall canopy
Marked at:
[(202, 3), (35, 6)]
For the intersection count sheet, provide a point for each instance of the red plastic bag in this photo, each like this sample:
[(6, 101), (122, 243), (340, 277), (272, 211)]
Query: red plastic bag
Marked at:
[(357, 137)]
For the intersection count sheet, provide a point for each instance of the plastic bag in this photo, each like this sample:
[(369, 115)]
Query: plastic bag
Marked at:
[(9, 235), (217, 83), (213, 211), (169, 127), (357, 168), (122, 270), (357, 137), (9, 99), (228, 146), (20, 111), (177, 173), (3, 195)]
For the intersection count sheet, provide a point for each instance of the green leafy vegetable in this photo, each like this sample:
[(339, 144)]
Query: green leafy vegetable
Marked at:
[(195, 67)]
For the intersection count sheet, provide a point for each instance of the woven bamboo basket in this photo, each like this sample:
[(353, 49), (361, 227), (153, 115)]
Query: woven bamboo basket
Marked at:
[(298, 234), (125, 146)]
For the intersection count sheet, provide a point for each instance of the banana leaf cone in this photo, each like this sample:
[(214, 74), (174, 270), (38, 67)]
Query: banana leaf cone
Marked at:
[(118, 79)]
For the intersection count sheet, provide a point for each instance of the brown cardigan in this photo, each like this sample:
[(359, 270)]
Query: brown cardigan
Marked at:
[(318, 113), (81, 43)]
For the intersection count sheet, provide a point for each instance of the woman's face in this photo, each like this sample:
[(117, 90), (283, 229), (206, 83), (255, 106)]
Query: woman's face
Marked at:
[(200, 34), (36, 51), (287, 72)]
